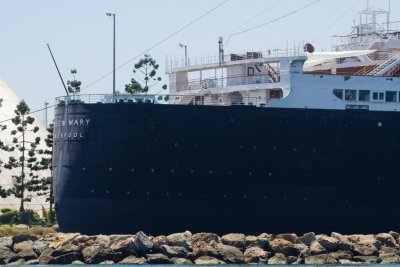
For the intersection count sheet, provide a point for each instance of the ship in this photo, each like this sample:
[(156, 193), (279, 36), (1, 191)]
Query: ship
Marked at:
[(275, 141)]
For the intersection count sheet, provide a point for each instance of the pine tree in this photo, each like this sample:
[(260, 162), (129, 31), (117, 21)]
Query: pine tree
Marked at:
[(3, 192), (27, 163), (74, 86), (146, 72)]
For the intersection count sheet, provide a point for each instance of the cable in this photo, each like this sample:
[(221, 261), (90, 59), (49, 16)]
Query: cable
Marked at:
[(336, 21), (274, 20), (252, 18), (157, 44), (35, 111)]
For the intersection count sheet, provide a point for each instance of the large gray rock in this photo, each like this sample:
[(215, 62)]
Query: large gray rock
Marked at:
[(260, 241), (365, 249), (201, 248), (230, 254), (316, 248), (364, 239), (342, 255), (344, 242), (127, 247), (307, 238), (133, 260), (67, 258), (387, 240), (278, 259), (282, 246), (23, 237), (390, 260), (24, 245), (234, 240), (395, 235), (18, 262), (256, 255), (207, 260), (367, 259), (174, 251), (96, 254), (39, 245), (291, 237), (66, 249), (158, 241), (6, 254), (301, 250), (46, 257), (6, 242), (27, 254), (143, 242), (320, 259), (103, 241), (157, 258), (205, 237), (329, 243), (32, 262), (181, 261), (181, 240)]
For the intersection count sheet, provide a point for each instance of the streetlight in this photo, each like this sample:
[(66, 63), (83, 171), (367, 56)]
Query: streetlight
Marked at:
[(186, 59), (109, 15)]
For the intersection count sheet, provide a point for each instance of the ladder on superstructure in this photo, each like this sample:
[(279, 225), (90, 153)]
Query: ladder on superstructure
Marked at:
[(386, 65)]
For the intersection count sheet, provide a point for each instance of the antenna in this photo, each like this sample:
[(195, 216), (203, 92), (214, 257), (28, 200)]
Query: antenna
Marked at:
[(221, 50), (58, 70), (388, 16)]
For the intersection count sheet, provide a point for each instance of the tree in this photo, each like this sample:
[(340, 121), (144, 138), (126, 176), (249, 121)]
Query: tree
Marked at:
[(47, 164), (3, 192), (146, 73), (27, 162), (74, 86)]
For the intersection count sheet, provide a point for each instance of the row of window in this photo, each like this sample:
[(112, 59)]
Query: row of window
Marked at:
[(366, 95)]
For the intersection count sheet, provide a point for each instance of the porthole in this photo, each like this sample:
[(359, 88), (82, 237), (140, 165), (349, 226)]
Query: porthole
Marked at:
[(380, 124), (132, 170), (191, 171), (152, 170), (172, 171), (241, 147), (250, 173), (244, 196), (294, 149), (167, 194), (180, 194), (107, 192), (230, 172), (110, 169), (128, 192), (176, 144), (210, 172), (92, 191), (83, 168), (148, 193)]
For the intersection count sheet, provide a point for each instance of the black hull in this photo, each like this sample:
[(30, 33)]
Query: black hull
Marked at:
[(170, 168)]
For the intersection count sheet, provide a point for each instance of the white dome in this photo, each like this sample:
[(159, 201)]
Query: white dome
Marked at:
[(10, 100)]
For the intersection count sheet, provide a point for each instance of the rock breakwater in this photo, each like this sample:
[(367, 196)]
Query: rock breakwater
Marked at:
[(200, 248)]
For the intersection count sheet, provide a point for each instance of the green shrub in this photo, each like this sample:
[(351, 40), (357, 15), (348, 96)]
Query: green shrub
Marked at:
[(29, 217), (48, 217), (5, 210), (9, 217)]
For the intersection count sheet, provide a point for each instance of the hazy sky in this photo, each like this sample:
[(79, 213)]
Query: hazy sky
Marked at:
[(80, 35)]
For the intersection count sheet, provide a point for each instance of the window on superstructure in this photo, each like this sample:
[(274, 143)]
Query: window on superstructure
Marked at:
[(350, 95), (364, 95), (338, 93), (378, 96), (391, 96)]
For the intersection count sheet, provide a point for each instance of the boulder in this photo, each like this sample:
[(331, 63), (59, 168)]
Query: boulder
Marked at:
[(133, 260), (143, 242), (158, 241), (24, 245), (6, 254), (390, 260), (301, 250), (278, 259), (27, 254), (17, 262), (22, 237), (291, 237), (344, 242), (66, 249), (67, 258), (181, 261), (201, 248), (96, 253), (207, 260), (234, 240), (367, 259), (181, 240), (230, 254), (174, 251), (316, 248), (282, 246), (205, 237), (78, 263), (82, 238), (45, 257), (256, 255), (320, 259), (329, 243), (342, 254), (127, 247), (39, 245), (103, 241), (366, 249), (107, 262), (260, 241), (364, 239), (60, 239), (348, 262), (292, 260), (32, 262), (388, 251), (387, 240), (307, 238), (395, 235), (6, 242), (157, 258)]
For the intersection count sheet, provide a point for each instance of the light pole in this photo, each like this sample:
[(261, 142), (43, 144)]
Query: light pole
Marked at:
[(113, 15), (186, 58)]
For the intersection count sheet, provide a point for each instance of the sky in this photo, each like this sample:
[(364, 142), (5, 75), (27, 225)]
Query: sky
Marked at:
[(81, 36)]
